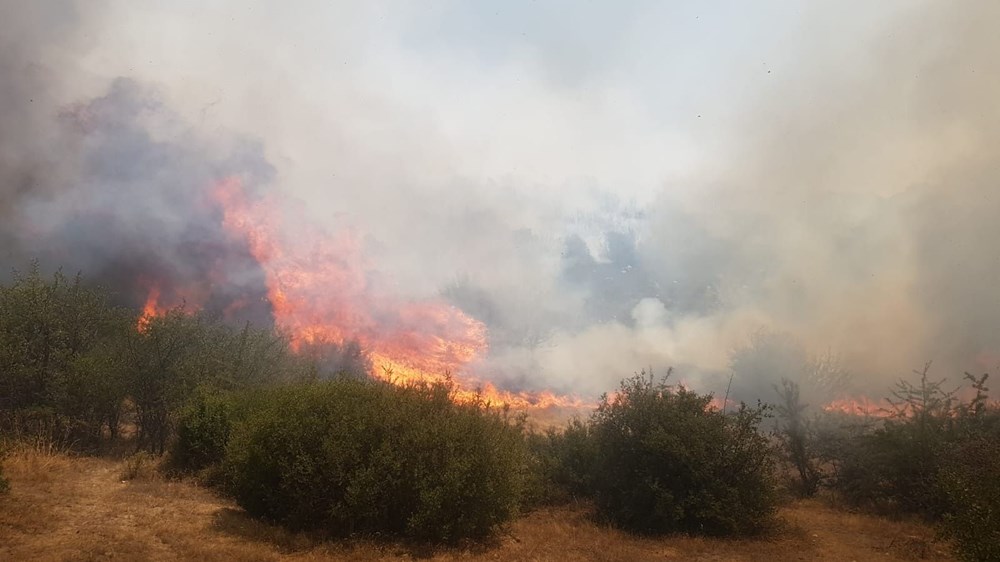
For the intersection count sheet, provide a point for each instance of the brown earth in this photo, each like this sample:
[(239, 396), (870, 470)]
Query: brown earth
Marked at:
[(67, 508)]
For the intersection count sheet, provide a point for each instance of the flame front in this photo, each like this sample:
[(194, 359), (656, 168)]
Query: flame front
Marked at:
[(151, 309), (320, 289), (861, 406)]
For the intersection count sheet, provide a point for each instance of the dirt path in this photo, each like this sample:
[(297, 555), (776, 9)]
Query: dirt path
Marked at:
[(79, 509)]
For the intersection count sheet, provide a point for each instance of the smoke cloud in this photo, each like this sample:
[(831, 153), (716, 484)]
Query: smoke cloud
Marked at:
[(607, 189)]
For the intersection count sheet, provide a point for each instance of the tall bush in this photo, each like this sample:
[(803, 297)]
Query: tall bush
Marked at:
[(970, 481), (666, 461), (561, 463), (203, 430), (793, 433), (937, 456), (350, 456), (58, 343), (70, 362), (894, 465)]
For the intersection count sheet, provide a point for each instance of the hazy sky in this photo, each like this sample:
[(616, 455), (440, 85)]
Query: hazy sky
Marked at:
[(608, 185)]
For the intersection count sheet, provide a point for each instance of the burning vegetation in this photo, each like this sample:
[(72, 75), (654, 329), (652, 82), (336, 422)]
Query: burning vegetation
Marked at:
[(517, 252), (322, 295), (258, 416)]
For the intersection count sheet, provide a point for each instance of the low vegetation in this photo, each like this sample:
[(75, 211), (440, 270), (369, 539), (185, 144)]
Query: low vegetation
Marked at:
[(930, 454), (76, 508), (296, 444), (665, 461), (351, 456), (75, 369)]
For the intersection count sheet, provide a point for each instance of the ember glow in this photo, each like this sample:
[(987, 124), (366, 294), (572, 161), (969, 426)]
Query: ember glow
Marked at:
[(321, 291)]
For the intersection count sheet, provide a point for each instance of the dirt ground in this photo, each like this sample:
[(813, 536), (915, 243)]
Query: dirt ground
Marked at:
[(63, 508)]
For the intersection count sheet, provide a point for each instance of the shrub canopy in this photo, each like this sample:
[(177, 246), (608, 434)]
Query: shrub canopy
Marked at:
[(666, 461), (350, 456)]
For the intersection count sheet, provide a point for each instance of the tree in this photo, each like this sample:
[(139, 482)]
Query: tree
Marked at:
[(793, 431)]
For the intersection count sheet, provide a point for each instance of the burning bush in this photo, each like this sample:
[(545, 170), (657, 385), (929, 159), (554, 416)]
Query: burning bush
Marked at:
[(661, 459), (350, 456)]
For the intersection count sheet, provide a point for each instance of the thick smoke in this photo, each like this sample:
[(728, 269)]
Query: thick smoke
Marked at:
[(115, 185), (812, 184), (854, 215)]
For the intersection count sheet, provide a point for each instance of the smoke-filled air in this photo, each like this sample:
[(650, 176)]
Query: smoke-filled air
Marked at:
[(535, 199)]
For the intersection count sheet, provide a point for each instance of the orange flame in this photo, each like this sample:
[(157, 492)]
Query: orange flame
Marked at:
[(157, 305), (150, 309), (860, 406), (321, 290)]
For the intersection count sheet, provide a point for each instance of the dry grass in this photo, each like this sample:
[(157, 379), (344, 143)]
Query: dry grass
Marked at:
[(64, 508)]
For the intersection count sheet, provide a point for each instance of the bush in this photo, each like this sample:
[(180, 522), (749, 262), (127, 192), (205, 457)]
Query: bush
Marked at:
[(794, 435), (177, 354), (350, 456), (970, 480), (70, 362), (203, 431), (665, 461), (894, 465), (561, 463), (56, 339), (936, 456)]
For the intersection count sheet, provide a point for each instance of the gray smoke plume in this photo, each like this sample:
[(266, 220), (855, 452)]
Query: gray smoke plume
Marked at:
[(115, 186), (637, 187)]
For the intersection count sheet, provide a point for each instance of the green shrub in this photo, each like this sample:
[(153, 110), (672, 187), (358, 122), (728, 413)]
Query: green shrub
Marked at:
[(894, 468), (970, 480), (179, 353), (57, 339), (203, 431), (70, 362), (894, 465), (937, 456), (666, 461), (561, 464), (350, 456), (795, 437)]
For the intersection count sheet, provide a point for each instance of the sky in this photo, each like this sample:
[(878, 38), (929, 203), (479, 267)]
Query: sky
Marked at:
[(608, 186)]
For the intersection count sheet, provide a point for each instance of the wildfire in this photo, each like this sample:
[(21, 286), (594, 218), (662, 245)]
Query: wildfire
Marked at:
[(322, 291), (860, 406), (391, 370), (150, 310), (157, 304)]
